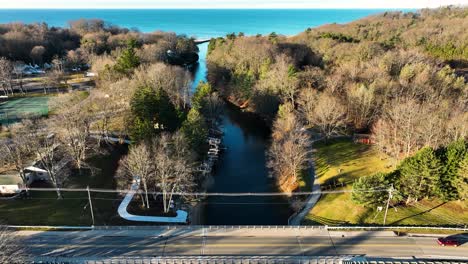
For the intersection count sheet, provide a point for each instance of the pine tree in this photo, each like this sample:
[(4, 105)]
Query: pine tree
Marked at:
[(152, 112), (128, 60), (362, 190), (203, 90), (452, 156), (420, 175), (195, 129), (461, 182)]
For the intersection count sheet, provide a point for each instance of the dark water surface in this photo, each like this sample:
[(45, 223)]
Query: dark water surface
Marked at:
[(241, 168)]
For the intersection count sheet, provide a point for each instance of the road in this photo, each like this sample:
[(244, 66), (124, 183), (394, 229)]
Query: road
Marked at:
[(203, 241)]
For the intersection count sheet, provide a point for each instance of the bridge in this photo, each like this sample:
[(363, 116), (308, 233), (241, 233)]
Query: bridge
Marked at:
[(200, 41), (238, 244)]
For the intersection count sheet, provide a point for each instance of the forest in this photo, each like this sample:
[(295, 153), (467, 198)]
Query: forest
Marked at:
[(141, 95), (82, 39), (398, 77)]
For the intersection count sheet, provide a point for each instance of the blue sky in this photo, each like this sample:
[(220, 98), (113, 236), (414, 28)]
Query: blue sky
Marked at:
[(228, 3)]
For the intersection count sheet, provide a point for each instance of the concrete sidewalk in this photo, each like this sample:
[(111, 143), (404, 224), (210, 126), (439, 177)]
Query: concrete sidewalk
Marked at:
[(181, 217), (311, 200)]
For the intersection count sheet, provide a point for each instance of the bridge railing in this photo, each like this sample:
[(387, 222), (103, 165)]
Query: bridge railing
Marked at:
[(243, 227)]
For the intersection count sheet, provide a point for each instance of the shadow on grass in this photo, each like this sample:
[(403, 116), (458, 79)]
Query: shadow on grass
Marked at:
[(315, 219), (414, 215), (336, 153)]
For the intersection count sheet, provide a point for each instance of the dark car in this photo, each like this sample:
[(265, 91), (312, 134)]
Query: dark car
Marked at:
[(447, 242)]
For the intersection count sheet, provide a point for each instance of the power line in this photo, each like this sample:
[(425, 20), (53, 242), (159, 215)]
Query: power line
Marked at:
[(232, 194)]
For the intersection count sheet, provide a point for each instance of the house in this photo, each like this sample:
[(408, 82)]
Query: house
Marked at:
[(10, 183), (34, 174), (28, 69), (363, 139), (90, 74)]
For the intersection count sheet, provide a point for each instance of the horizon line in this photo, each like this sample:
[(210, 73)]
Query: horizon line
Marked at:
[(224, 8)]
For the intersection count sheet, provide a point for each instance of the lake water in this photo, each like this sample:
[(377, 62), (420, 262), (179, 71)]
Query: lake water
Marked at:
[(242, 166), (201, 23)]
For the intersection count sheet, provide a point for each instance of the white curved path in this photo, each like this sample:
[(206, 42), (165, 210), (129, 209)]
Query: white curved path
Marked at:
[(180, 218)]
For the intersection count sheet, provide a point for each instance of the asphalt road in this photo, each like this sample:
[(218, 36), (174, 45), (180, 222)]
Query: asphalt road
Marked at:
[(289, 242)]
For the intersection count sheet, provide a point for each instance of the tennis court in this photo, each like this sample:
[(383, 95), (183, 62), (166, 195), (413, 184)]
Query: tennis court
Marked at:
[(14, 110)]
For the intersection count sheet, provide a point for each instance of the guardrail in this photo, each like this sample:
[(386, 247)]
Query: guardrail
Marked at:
[(217, 227), (51, 227), (465, 228), (199, 259), (352, 259), (233, 227)]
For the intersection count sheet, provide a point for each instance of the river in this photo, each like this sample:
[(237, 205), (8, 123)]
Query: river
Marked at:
[(241, 168)]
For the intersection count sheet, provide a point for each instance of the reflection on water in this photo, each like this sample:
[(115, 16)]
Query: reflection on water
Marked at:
[(241, 168)]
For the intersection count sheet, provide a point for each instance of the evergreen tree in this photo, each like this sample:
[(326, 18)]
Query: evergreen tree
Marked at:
[(362, 190), (452, 157), (152, 112), (203, 90), (195, 130), (128, 60), (461, 182), (420, 175)]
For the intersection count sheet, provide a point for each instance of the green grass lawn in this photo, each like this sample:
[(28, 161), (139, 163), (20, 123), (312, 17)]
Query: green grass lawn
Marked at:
[(43, 208), (343, 161), (15, 109)]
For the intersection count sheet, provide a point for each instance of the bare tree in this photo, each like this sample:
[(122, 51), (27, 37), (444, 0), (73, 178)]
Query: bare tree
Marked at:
[(174, 80), (56, 76), (37, 53), (18, 72), (73, 128), (138, 164), (17, 151), (307, 100), (362, 105), (104, 109), (74, 58), (457, 125), (11, 250), (281, 79), (396, 132), (46, 148), (431, 129), (289, 150), (6, 70), (329, 115), (72, 124), (173, 173)]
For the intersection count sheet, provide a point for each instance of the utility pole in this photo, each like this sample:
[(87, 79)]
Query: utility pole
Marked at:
[(90, 204), (390, 194)]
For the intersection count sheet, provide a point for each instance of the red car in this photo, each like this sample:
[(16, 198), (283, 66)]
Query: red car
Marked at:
[(447, 242)]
